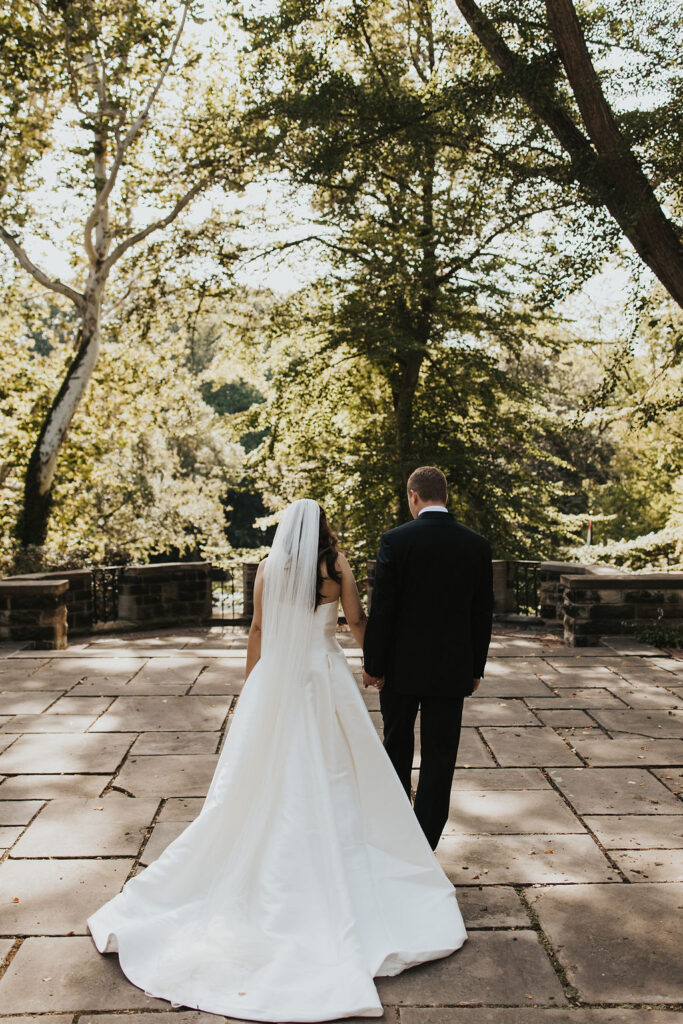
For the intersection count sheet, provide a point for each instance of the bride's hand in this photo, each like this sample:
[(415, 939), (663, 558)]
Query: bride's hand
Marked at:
[(369, 680)]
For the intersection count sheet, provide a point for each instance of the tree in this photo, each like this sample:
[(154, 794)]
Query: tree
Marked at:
[(602, 160), (95, 74), (147, 463), (373, 107)]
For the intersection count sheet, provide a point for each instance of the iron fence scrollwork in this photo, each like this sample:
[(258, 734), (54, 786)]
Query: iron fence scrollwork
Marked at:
[(525, 587), (105, 583)]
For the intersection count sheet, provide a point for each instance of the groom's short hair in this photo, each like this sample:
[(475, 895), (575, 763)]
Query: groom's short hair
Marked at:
[(430, 484)]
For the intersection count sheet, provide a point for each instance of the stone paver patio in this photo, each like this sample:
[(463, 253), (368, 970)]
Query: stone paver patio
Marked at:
[(564, 841)]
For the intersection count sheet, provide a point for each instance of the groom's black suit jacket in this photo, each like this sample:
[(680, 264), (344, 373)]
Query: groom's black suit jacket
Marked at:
[(429, 627)]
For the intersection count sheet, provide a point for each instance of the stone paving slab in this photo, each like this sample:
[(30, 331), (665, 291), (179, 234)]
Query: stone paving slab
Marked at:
[(598, 749), (523, 859), (179, 672), (221, 677), (181, 808), (498, 778), (157, 1017), (648, 697), (616, 943), (163, 714), (491, 1015), (540, 746), (19, 703), (471, 751), (511, 686), (19, 787), (496, 711), (69, 671), (650, 865), (55, 897), (502, 966), (79, 706), (491, 906), (654, 723), (55, 1018), (509, 811), (176, 743), (595, 668), (19, 670), (113, 825), (18, 812), (577, 697), (5, 947), (163, 834), (638, 670), (9, 835), (617, 790), (635, 831), (168, 774), (67, 973), (672, 665), (671, 777), (572, 718), (52, 754), (19, 724)]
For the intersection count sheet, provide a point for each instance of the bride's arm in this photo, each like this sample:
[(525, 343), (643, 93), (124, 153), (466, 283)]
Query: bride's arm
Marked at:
[(350, 600), (254, 641)]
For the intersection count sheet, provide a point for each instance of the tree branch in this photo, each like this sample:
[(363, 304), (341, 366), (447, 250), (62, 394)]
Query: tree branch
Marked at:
[(123, 144), (614, 177), (156, 225), (54, 285)]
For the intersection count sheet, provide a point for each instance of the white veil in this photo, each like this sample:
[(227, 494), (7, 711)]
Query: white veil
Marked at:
[(289, 588), (288, 607)]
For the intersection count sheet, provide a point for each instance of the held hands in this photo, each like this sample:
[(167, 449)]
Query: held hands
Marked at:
[(372, 681)]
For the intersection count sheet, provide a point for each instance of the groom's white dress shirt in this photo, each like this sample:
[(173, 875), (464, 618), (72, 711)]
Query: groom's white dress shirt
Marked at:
[(432, 508)]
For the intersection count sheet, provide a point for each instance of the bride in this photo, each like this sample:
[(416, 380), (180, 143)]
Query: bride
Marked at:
[(305, 874)]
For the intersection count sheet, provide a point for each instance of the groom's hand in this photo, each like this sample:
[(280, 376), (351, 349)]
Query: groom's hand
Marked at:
[(369, 680), (476, 683)]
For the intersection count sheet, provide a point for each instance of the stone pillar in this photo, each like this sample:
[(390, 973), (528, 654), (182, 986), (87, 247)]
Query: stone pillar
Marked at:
[(34, 611), (249, 570), (503, 591), (79, 602), (370, 569), (617, 604)]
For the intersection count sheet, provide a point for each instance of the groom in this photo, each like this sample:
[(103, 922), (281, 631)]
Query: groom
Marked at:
[(427, 639)]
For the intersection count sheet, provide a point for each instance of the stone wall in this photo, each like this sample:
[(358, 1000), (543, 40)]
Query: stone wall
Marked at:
[(168, 593), (616, 604), (551, 588), (37, 608), (34, 611), (79, 600)]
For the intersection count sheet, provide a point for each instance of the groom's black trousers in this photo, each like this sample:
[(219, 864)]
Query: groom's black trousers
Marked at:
[(440, 720)]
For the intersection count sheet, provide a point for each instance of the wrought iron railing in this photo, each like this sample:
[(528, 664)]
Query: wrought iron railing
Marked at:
[(227, 586), (105, 583), (525, 587)]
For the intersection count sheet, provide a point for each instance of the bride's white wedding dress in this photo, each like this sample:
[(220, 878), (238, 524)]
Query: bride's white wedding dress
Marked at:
[(305, 874)]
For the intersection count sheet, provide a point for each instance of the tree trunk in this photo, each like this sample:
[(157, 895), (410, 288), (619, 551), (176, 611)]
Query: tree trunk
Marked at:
[(610, 171), (34, 518), (635, 205), (403, 400)]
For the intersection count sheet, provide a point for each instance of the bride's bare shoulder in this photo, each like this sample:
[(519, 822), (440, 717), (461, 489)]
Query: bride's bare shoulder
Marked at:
[(342, 563)]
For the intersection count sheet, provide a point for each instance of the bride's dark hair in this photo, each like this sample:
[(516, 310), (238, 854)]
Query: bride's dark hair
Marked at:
[(327, 553)]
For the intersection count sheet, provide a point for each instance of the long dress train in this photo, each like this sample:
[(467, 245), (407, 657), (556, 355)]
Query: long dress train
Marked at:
[(305, 874)]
